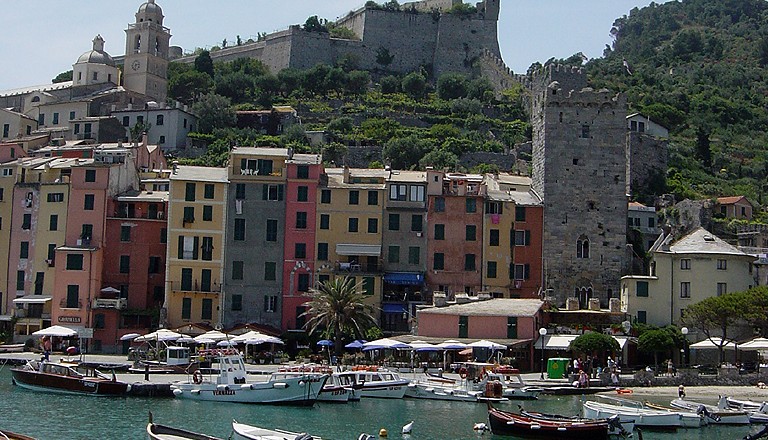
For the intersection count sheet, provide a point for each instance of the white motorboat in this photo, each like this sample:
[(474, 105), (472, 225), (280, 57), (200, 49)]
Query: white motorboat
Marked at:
[(688, 419), (758, 411), (231, 385), (375, 382), (719, 414), (479, 374), (643, 417), (332, 391), (241, 431), (156, 431), (443, 389)]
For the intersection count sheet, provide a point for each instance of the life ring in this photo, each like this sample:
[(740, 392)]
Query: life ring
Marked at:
[(463, 373), (197, 377), (623, 391)]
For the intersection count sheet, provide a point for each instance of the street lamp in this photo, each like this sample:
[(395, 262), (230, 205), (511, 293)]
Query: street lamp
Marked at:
[(684, 331), (542, 332)]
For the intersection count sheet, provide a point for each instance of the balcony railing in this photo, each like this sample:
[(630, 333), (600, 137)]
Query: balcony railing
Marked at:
[(160, 215), (195, 286), (106, 303), (355, 267), (64, 304)]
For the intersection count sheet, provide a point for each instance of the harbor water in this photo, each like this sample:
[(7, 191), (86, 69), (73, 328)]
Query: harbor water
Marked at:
[(48, 416)]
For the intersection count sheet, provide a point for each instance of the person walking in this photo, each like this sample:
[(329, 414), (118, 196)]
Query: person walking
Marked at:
[(670, 368)]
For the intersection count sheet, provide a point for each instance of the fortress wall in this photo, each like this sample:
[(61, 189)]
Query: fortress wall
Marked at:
[(355, 21), (429, 5), (462, 41)]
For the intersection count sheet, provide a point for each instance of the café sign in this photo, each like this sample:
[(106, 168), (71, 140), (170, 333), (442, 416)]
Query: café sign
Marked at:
[(70, 319)]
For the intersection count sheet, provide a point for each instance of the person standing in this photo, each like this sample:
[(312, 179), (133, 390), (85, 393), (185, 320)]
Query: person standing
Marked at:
[(47, 348)]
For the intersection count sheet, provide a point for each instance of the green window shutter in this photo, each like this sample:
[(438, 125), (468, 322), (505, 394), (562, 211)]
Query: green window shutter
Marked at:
[(195, 247), (181, 247)]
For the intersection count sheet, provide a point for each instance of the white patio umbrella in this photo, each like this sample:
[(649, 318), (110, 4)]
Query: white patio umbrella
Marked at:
[(204, 341), (213, 334), (452, 345), (186, 340), (424, 346), (385, 343), (110, 290), (129, 336), (757, 344), (226, 343), (251, 334), (714, 343), (160, 335), (487, 344), (56, 330)]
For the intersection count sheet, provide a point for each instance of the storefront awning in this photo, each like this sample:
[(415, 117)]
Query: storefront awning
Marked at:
[(393, 308), (562, 342), (367, 250), (404, 278), (32, 299)]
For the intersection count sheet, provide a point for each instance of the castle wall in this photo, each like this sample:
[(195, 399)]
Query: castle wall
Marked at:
[(461, 41), (430, 5), (579, 170)]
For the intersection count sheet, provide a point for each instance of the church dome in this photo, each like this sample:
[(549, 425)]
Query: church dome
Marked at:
[(97, 54), (150, 8)]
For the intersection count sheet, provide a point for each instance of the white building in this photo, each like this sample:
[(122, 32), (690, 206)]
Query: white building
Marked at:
[(643, 124), (168, 126)]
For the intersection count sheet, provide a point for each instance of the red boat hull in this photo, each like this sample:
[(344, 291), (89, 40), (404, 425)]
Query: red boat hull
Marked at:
[(508, 423), (66, 384)]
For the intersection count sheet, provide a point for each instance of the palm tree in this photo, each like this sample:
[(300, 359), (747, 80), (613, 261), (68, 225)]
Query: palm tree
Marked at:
[(336, 308)]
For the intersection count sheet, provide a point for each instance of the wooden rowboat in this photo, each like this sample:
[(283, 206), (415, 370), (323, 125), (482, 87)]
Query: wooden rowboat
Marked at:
[(161, 432), (8, 435), (509, 423)]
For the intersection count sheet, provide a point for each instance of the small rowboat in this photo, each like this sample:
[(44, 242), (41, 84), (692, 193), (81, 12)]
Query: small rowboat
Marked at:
[(241, 431), (161, 432), (8, 435), (509, 423)]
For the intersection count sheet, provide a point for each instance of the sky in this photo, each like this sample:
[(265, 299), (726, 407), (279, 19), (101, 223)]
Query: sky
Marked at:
[(42, 38)]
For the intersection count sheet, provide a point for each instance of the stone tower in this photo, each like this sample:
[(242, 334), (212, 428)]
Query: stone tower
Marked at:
[(146, 53), (579, 169)]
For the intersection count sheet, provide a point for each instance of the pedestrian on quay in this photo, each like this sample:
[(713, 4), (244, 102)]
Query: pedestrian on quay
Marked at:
[(681, 391), (670, 368), (46, 348)]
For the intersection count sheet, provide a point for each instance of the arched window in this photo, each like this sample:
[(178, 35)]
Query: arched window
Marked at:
[(137, 46), (582, 247), (35, 99), (157, 46)]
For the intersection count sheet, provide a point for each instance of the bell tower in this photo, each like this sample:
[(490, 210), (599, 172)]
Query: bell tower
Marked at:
[(146, 53)]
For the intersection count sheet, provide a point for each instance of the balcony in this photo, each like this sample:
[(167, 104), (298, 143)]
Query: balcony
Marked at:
[(64, 304), (195, 286), (353, 266), (160, 215), (108, 303)]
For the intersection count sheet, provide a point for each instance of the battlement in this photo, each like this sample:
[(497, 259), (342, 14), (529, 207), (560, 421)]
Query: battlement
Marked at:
[(568, 77), (586, 97)]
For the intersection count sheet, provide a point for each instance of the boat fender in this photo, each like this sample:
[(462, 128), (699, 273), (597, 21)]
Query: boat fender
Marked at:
[(301, 383), (246, 387), (463, 373), (177, 392), (194, 391), (128, 388), (280, 385), (197, 377)]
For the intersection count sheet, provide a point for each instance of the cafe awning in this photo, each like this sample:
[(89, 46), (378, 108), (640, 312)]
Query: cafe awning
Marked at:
[(32, 299), (404, 278), (393, 308), (367, 250)]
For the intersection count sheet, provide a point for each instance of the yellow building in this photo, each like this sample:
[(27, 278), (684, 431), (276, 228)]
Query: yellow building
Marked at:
[(195, 260), (498, 227), (7, 181), (349, 228), (684, 272)]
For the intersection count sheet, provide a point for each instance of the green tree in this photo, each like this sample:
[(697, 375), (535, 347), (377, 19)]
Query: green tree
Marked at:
[(405, 153), (214, 111), (414, 85), (204, 63), (655, 341), (237, 86), (357, 82), (383, 56), (451, 86), (594, 343), (439, 159), (704, 147), (389, 84), (63, 76), (379, 130), (138, 130), (341, 126), (337, 309), (314, 24), (188, 86), (716, 315)]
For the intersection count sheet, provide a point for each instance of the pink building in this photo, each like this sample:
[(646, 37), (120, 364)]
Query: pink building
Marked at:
[(735, 207), (304, 172)]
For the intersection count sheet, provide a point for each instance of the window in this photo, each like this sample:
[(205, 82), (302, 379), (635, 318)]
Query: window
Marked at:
[(240, 230), (302, 172), (207, 249), (164, 235), (271, 230), (414, 254), (585, 131), (300, 250), (55, 197), (301, 220), (494, 208), (519, 213), (154, 264), (417, 223), (205, 280), (439, 204), (39, 283), (439, 232), (237, 270), (438, 261), (522, 238), (26, 222), (394, 222), (272, 192), (86, 232), (651, 222), (369, 286), (159, 120), (209, 191), (493, 237), (322, 251), (398, 192), (352, 224), (189, 214), (6, 130), (270, 271), (90, 175), (237, 303), (470, 233), (8, 171), (270, 303), (469, 262), (186, 309), (685, 264), (207, 309), (373, 225), (641, 316), (125, 233), (325, 196), (373, 198), (53, 223), (582, 248), (325, 221), (642, 289), (186, 279), (20, 278), (188, 248), (490, 271), (470, 205), (463, 326), (354, 197), (722, 264), (74, 261), (125, 263), (393, 254), (722, 289), (189, 192), (522, 271), (51, 253), (207, 213), (240, 191), (73, 296), (87, 131), (41, 119), (24, 250), (126, 121), (685, 289), (56, 118), (302, 193), (89, 202), (303, 284)]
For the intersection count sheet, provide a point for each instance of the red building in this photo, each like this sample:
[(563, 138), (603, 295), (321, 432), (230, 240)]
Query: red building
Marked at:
[(133, 271), (303, 171)]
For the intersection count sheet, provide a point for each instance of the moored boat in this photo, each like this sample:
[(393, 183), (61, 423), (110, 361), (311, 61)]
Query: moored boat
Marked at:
[(688, 419), (719, 414), (241, 431), (442, 390), (65, 378), (231, 385), (177, 361), (616, 427), (375, 382), (8, 435), (509, 423), (161, 432), (332, 391), (11, 348), (643, 417)]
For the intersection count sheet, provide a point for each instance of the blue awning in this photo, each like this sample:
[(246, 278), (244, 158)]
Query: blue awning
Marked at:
[(393, 308), (404, 278)]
